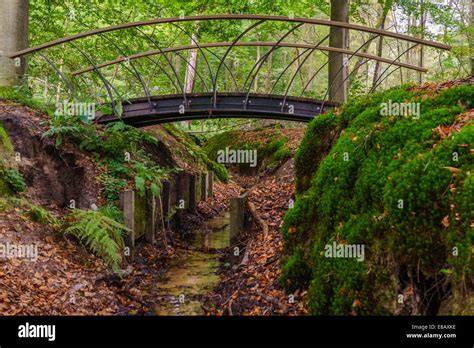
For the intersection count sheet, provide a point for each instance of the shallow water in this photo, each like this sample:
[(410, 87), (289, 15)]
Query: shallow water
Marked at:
[(194, 272)]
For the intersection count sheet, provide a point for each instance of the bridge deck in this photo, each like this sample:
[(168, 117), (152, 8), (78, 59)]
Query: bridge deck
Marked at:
[(171, 108)]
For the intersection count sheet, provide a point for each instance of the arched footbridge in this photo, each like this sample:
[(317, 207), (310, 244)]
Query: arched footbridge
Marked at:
[(177, 77)]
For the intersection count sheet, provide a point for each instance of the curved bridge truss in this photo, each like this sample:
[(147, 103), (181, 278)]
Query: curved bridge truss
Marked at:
[(219, 91)]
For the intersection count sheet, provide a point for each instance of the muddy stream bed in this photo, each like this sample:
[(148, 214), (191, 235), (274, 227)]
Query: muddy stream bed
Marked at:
[(193, 273)]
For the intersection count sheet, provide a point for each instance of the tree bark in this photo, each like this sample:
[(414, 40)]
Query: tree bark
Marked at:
[(386, 8), (191, 67), (365, 49), (422, 52), (13, 37), (337, 72)]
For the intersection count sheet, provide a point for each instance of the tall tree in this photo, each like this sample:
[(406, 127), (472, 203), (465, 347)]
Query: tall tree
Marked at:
[(337, 72), (381, 17), (14, 37), (423, 15), (386, 8)]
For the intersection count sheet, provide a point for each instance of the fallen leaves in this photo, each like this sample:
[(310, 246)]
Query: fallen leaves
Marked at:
[(63, 280), (445, 221), (257, 283), (460, 121)]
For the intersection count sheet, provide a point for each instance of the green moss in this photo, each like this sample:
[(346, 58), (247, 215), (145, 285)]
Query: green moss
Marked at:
[(4, 191), (353, 171), (5, 143), (11, 181), (270, 144), (295, 271), (200, 156)]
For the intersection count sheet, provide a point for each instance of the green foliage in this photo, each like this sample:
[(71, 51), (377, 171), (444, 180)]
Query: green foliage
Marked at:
[(112, 212), (112, 187), (12, 178), (118, 138), (63, 126), (356, 198), (149, 177), (23, 95), (200, 155), (41, 215), (99, 233), (109, 147)]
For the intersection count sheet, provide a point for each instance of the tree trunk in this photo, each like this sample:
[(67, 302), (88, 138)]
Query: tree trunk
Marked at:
[(386, 8), (422, 52), (190, 77), (191, 68), (255, 83), (365, 49), (337, 72), (13, 37), (269, 72)]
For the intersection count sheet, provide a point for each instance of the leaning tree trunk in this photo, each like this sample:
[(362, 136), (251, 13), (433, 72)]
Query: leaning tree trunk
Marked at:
[(337, 72), (386, 8), (13, 37), (361, 60)]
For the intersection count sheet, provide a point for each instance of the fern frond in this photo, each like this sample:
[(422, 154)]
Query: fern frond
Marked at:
[(99, 233)]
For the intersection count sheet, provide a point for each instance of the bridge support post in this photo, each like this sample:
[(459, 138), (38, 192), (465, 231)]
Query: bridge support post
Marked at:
[(127, 204), (166, 202), (152, 215), (204, 186), (183, 191), (237, 224), (193, 193), (210, 192)]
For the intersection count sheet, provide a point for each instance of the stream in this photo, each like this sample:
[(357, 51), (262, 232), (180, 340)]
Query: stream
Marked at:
[(193, 273)]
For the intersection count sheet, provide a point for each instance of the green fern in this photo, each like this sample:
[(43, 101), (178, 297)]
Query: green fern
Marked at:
[(61, 132), (99, 233), (41, 215)]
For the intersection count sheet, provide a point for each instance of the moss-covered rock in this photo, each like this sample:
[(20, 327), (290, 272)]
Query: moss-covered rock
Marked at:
[(395, 185)]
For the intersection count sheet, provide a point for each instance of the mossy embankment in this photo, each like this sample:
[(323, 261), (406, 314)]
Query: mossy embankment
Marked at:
[(402, 187), (273, 146)]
